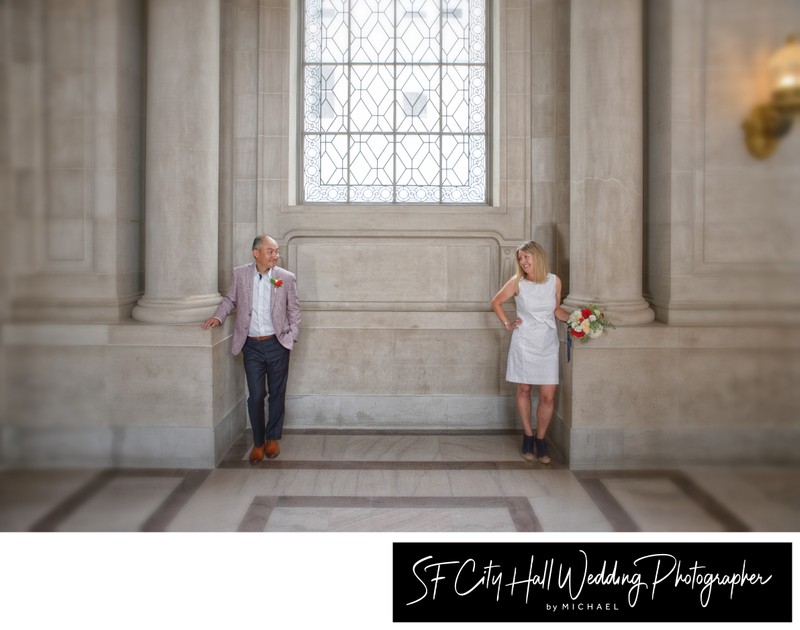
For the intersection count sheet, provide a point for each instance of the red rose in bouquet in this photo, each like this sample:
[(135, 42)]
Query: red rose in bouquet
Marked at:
[(588, 322)]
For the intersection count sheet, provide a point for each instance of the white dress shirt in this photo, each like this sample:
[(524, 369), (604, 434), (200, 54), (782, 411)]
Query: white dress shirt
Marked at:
[(261, 318)]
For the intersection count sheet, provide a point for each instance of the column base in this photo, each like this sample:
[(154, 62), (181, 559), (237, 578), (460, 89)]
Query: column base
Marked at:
[(189, 310), (633, 313)]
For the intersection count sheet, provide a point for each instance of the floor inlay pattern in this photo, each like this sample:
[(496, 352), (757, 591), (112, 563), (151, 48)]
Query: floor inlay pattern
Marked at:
[(518, 509), (457, 481)]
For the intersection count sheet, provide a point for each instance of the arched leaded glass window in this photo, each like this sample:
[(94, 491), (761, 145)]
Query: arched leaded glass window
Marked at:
[(395, 101)]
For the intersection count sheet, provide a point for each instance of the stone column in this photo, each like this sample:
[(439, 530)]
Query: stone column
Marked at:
[(182, 163), (606, 158)]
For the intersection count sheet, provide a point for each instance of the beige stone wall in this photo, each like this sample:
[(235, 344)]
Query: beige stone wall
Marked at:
[(397, 331), (716, 382), (435, 266), (666, 396), (723, 227), (72, 103), (82, 384), (125, 394)]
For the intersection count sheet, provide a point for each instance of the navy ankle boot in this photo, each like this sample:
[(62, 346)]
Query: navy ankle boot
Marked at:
[(542, 453), (527, 447)]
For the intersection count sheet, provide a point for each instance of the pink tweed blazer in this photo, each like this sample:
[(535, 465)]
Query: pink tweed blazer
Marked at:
[(285, 306)]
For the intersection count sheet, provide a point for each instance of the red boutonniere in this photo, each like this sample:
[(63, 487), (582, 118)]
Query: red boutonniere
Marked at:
[(276, 283)]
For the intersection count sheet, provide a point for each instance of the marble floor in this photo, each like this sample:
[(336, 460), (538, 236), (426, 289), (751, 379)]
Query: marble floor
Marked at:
[(335, 504), (358, 481)]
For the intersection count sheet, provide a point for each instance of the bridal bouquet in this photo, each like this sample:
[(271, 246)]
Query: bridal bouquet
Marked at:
[(588, 322)]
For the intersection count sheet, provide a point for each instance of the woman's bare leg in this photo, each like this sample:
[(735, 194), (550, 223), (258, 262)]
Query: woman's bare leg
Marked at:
[(544, 410), (524, 407)]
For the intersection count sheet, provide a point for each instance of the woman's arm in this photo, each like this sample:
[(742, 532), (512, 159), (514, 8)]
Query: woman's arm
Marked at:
[(559, 312), (508, 291)]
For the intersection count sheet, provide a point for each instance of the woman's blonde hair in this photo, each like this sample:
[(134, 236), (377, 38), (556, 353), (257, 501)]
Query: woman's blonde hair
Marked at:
[(539, 261)]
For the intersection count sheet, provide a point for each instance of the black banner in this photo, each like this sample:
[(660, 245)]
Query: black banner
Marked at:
[(588, 582)]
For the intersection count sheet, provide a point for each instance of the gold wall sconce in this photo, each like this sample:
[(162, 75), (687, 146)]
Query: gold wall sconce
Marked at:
[(770, 122)]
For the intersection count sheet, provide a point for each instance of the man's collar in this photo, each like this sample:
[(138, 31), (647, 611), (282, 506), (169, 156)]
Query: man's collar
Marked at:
[(267, 273)]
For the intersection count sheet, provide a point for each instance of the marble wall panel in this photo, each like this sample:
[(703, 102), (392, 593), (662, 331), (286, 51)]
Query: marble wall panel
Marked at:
[(543, 159), (384, 412), (401, 412), (625, 387), (77, 119), (87, 447), (654, 448), (543, 115), (173, 447), (56, 386), (667, 395), (127, 394), (357, 362), (336, 365), (460, 362), (229, 388), (730, 214), (518, 162), (272, 72), (732, 387), (517, 34), (313, 411), (142, 373), (228, 430), (275, 34), (543, 74), (480, 412), (393, 369), (743, 224), (244, 158), (59, 447), (413, 271)]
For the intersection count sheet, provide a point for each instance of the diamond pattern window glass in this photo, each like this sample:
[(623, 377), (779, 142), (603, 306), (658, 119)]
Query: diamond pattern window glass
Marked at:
[(394, 101)]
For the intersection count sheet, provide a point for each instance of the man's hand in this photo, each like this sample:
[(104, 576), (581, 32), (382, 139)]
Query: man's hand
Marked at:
[(211, 322)]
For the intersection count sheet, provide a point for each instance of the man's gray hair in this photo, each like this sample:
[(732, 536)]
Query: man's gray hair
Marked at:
[(258, 240)]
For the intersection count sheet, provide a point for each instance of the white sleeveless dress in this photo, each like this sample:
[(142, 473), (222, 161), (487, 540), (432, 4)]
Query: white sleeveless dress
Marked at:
[(533, 353)]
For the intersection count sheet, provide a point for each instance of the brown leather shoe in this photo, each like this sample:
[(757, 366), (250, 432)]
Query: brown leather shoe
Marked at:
[(257, 454), (273, 450)]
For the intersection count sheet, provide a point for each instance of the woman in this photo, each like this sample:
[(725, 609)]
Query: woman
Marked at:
[(533, 353)]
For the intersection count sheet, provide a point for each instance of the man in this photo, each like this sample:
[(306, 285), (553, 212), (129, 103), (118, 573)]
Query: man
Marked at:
[(267, 325)]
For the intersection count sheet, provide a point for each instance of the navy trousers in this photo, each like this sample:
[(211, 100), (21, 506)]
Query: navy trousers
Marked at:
[(266, 367)]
